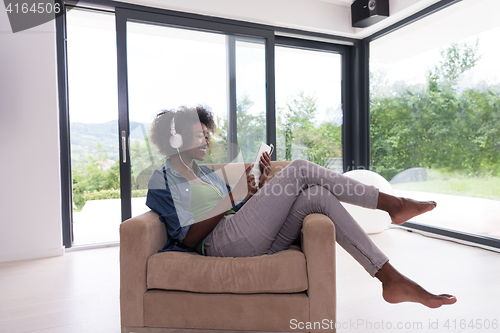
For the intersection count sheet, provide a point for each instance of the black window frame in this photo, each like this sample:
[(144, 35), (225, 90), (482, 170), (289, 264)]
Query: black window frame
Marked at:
[(139, 13)]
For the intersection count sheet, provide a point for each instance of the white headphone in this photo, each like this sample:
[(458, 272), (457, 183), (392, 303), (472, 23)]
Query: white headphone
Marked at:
[(175, 139)]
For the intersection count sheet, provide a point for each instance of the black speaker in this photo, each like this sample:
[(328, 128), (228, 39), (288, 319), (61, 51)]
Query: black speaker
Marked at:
[(367, 12)]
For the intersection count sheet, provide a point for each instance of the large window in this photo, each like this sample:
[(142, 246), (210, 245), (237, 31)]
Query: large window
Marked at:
[(435, 116), (309, 106)]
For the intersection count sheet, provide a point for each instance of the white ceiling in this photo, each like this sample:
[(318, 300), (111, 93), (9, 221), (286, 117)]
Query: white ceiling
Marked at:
[(331, 17), (346, 3)]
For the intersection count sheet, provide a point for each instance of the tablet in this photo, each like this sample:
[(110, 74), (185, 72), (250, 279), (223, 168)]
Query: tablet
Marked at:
[(256, 167)]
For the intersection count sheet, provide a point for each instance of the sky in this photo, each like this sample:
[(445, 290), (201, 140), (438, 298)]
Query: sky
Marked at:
[(410, 52), (413, 69)]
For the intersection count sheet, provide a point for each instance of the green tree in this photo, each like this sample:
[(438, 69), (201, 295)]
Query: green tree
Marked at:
[(443, 127), (251, 128), (217, 152), (456, 60), (322, 143), (143, 160), (319, 142), (297, 117), (93, 173)]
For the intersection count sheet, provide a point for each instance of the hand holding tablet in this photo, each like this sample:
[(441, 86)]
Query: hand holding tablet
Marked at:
[(256, 164)]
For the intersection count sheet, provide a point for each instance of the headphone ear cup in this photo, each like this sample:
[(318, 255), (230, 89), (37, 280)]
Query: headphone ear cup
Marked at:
[(176, 141)]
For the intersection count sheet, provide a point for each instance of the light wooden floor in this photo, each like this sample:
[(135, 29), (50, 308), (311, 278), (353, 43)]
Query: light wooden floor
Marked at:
[(469, 273), (79, 291)]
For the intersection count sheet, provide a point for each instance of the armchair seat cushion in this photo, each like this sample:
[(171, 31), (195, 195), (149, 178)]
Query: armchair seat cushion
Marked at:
[(282, 272)]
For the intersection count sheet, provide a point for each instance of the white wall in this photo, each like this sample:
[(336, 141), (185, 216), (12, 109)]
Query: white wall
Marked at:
[(30, 204)]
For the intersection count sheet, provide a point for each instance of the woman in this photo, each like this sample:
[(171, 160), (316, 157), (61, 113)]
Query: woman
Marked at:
[(202, 213)]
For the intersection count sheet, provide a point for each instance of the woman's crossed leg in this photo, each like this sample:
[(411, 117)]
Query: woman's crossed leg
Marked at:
[(271, 220)]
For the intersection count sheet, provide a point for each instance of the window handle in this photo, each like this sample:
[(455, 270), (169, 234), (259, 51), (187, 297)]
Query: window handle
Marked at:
[(124, 146)]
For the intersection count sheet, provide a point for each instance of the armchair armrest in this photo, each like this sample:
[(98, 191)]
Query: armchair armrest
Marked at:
[(140, 237), (318, 245)]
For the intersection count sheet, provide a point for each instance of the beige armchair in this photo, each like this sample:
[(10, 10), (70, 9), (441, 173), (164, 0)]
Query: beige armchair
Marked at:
[(187, 292)]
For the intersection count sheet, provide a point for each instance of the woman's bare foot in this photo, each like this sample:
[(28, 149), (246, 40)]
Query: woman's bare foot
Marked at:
[(398, 288), (409, 208), (403, 209), (408, 291)]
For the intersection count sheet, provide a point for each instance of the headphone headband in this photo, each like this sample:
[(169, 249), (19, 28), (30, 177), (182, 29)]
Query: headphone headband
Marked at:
[(172, 126)]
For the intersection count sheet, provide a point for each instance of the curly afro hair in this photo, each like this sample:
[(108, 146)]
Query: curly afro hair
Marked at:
[(185, 117)]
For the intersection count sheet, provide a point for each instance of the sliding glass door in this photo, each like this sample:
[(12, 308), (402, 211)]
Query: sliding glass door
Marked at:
[(160, 66), (164, 64), (309, 105), (93, 123), (171, 67), (435, 118)]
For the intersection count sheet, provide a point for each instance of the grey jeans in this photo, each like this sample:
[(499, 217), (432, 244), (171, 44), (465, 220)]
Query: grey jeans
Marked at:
[(272, 219)]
